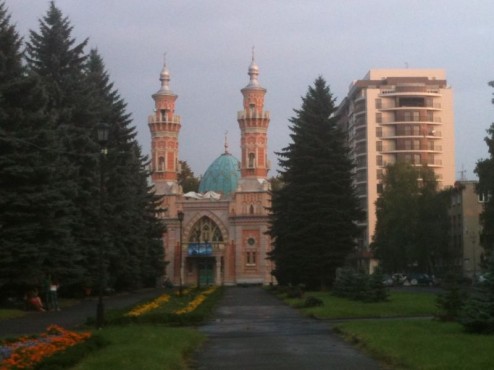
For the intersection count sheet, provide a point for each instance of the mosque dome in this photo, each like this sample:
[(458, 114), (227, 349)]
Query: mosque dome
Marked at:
[(222, 175)]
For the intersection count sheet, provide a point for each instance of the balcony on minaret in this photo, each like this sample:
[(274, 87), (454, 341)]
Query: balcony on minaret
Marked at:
[(160, 118), (252, 114)]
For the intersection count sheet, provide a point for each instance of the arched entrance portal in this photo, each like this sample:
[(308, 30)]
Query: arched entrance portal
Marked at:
[(204, 253)]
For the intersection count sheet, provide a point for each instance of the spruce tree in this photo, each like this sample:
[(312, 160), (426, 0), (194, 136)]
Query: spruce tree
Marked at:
[(57, 61), (35, 213), (314, 213), (132, 249)]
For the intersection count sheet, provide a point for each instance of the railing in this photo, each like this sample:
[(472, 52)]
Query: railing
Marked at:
[(409, 89), (246, 114), (154, 119)]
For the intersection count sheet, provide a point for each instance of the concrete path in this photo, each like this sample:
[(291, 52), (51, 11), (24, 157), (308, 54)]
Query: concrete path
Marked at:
[(253, 330)]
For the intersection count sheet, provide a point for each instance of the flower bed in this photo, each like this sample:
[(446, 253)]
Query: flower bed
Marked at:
[(26, 352), (144, 308), (196, 302)]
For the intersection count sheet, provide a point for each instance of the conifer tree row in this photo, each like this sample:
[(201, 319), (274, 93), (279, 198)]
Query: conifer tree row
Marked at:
[(314, 212), (52, 221)]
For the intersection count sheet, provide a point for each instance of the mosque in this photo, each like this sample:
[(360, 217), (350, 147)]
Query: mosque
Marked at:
[(217, 236)]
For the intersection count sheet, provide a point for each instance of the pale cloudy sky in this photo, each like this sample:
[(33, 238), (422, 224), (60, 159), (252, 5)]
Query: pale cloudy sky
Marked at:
[(208, 45)]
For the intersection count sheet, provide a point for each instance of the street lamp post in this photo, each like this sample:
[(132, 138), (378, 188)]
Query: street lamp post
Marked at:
[(180, 216), (103, 132)]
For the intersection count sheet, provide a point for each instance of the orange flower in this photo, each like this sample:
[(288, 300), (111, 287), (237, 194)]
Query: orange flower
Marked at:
[(25, 352)]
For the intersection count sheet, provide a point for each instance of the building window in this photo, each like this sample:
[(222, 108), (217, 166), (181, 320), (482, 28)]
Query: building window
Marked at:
[(379, 117), (161, 164), (251, 258), (252, 157), (379, 131), (379, 160), (379, 188), (379, 146), (378, 103)]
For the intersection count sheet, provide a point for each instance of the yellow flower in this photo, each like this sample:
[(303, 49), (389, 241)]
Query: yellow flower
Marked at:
[(144, 308)]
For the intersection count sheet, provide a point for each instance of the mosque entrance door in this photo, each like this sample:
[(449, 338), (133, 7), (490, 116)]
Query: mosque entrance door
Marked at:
[(205, 272)]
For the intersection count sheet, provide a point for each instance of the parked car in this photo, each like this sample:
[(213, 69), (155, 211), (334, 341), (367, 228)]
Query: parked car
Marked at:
[(388, 280), (399, 279), (419, 278)]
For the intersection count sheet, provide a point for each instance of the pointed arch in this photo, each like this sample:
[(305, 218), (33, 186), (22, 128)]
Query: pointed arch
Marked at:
[(205, 226)]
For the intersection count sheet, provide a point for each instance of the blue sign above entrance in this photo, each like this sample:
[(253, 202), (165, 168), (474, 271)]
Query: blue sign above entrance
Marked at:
[(199, 249)]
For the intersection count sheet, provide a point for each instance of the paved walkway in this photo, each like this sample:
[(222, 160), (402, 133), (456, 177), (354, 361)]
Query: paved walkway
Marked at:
[(71, 317), (253, 330)]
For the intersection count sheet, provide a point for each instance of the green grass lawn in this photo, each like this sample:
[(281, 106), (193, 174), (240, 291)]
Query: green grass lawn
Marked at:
[(150, 347), (399, 304), (6, 313), (421, 344)]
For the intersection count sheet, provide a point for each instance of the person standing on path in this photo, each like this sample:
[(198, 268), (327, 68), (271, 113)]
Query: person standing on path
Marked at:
[(53, 296)]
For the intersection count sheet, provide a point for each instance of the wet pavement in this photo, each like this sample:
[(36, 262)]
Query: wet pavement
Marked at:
[(253, 330)]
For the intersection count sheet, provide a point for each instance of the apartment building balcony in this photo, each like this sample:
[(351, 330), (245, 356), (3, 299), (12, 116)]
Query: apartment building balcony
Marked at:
[(392, 106), (419, 148), (410, 120), (410, 91)]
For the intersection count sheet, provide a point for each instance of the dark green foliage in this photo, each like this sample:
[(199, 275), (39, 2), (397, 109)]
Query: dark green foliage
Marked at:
[(314, 212), (72, 355), (376, 290), (312, 301), (477, 315), (453, 300), (55, 217), (412, 220), (186, 178), (359, 286), (36, 212), (485, 172)]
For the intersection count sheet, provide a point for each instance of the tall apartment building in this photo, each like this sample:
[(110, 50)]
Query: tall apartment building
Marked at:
[(394, 115)]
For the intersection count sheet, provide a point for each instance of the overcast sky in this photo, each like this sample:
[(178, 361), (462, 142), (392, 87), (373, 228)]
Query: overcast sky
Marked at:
[(208, 45)]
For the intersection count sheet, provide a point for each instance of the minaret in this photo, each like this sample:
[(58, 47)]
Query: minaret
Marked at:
[(165, 127), (253, 122)]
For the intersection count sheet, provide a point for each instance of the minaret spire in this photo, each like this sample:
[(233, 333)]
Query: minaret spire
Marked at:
[(165, 79), (253, 72)]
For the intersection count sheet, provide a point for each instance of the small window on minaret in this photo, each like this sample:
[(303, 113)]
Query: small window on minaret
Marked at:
[(252, 157), (161, 164), (252, 107), (164, 113)]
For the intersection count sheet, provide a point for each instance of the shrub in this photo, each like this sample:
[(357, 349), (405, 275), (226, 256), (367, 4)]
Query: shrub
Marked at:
[(313, 302), (358, 286), (477, 315), (376, 290), (453, 300)]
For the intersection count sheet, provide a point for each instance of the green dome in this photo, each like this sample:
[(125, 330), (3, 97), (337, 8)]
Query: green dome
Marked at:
[(222, 175)]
